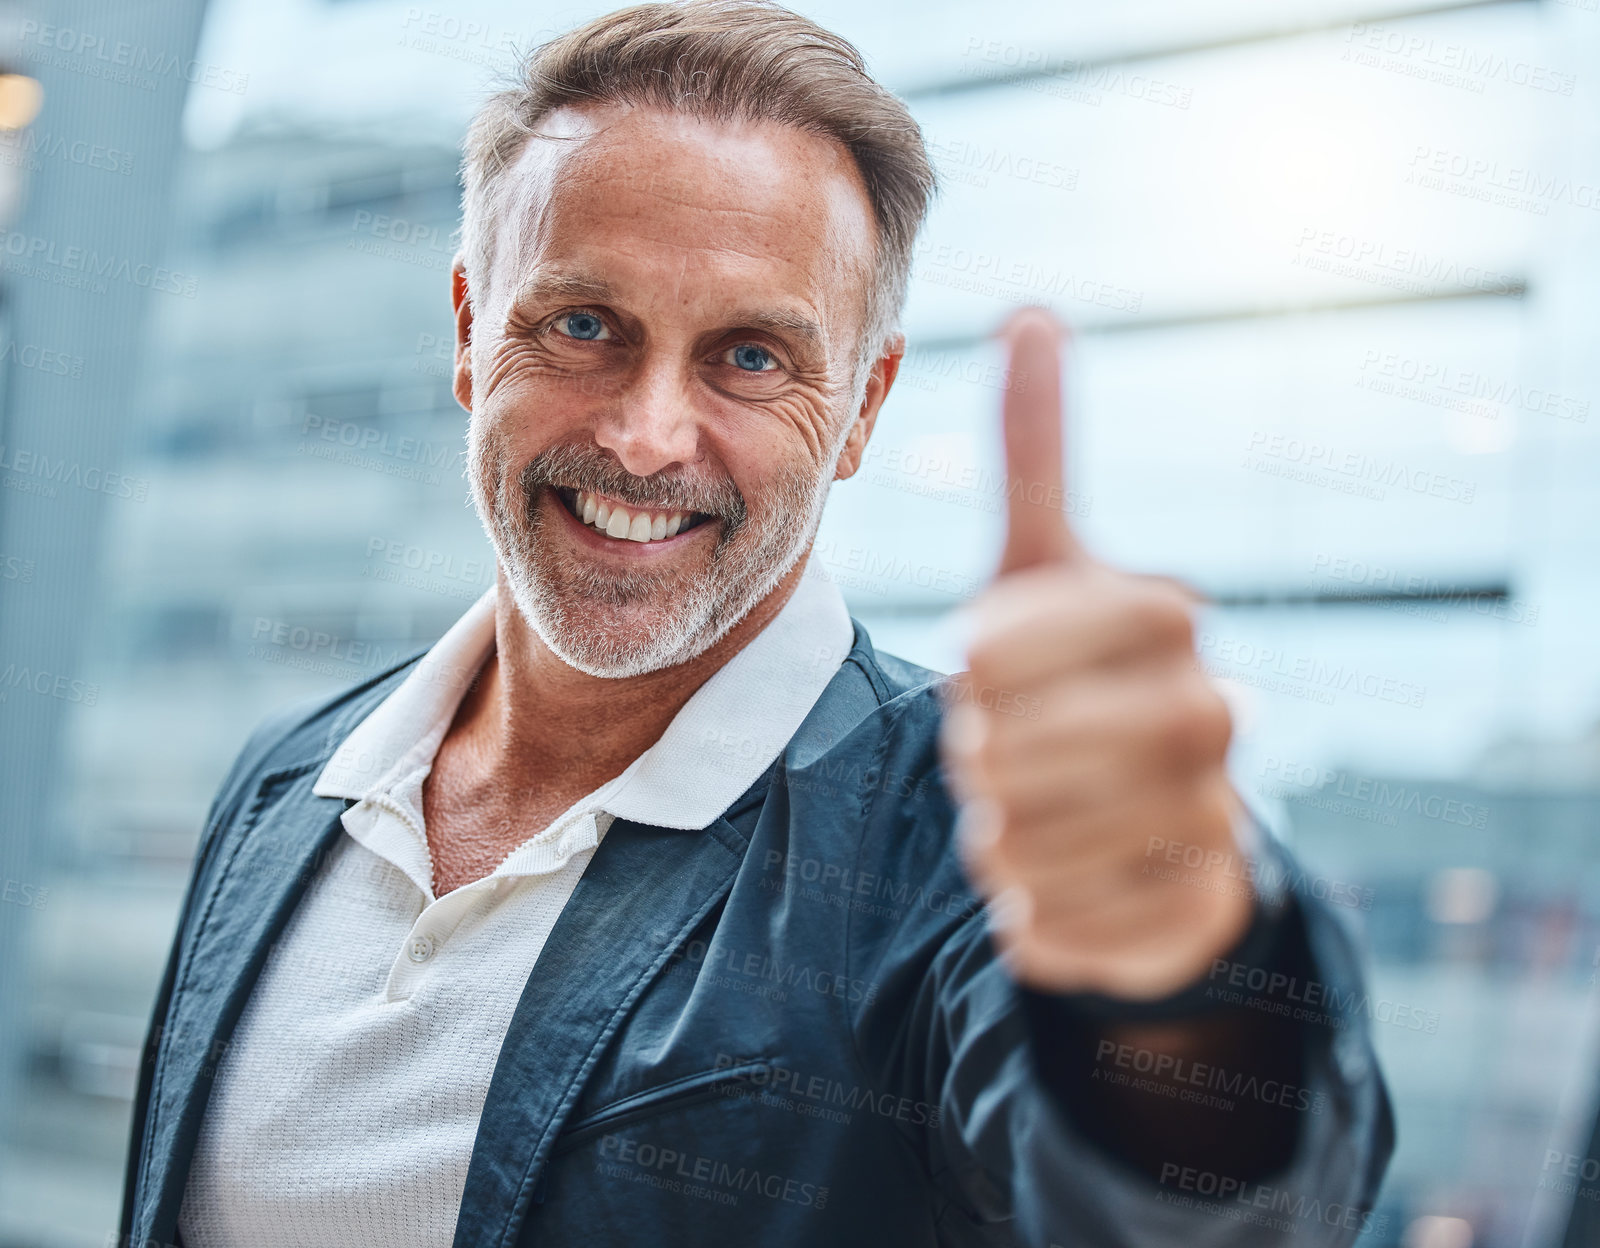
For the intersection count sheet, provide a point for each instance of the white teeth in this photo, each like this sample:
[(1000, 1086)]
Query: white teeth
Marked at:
[(619, 522)]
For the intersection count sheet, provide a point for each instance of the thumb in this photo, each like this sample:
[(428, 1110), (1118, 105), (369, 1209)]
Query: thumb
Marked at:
[(1036, 526)]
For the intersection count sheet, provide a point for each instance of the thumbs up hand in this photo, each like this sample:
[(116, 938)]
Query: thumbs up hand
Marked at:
[(1121, 738)]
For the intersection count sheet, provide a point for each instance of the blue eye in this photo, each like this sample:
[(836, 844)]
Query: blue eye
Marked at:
[(751, 358), (584, 325)]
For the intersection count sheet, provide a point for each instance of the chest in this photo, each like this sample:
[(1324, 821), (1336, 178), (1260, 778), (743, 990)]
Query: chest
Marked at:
[(408, 1011)]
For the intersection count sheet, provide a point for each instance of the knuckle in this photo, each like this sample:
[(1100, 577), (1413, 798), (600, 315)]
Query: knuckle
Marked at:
[(985, 653), (1164, 614)]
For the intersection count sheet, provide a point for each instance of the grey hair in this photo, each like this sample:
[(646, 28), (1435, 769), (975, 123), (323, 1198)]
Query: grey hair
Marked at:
[(726, 60)]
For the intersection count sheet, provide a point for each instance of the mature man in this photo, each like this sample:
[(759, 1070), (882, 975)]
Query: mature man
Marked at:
[(635, 911)]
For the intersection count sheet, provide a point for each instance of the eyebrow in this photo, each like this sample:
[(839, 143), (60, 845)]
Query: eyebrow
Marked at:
[(582, 287)]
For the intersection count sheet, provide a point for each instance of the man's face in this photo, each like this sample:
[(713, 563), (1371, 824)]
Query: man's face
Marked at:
[(660, 374)]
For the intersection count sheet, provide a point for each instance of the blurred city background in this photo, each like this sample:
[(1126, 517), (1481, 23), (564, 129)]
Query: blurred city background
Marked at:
[(1332, 268)]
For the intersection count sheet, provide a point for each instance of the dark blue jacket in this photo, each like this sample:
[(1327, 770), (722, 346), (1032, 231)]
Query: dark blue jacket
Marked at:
[(787, 1028)]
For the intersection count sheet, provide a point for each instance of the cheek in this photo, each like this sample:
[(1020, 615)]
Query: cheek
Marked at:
[(785, 435), (533, 409)]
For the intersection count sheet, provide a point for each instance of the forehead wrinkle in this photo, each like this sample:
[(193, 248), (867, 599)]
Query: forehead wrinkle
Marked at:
[(551, 172)]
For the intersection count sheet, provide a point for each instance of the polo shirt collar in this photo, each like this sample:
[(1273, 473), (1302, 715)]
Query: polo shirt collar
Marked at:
[(728, 733)]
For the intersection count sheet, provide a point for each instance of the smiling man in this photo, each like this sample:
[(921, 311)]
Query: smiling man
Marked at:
[(652, 905)]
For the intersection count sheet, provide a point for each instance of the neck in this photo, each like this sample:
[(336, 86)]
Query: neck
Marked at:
[(531, 715)]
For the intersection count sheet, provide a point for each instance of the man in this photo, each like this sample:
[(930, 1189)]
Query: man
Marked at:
[(636, 910)]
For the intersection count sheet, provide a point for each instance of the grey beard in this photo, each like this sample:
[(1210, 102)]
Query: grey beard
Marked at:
[(565, 601)]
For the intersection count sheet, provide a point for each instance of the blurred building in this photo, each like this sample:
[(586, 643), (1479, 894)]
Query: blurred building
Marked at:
[(1331, 266)]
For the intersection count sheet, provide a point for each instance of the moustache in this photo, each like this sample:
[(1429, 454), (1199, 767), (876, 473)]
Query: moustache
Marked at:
[(580, 468)]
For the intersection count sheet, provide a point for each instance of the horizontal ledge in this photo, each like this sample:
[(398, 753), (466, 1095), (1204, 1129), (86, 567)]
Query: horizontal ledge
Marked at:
[(1443, 595), (1515, 289)]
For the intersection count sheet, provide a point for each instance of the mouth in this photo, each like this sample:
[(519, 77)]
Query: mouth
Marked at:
[(626, 522)]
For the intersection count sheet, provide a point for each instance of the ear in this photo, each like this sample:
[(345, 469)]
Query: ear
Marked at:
[(879, 382), (461, 302)]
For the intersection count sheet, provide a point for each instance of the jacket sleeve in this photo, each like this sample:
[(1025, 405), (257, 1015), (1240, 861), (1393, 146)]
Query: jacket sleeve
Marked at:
[(950, 1028)]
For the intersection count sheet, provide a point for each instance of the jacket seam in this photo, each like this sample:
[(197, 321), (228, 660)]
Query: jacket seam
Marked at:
[(896, 712)]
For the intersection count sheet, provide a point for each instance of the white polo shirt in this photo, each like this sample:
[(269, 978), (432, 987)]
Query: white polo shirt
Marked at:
[(346, 1104)]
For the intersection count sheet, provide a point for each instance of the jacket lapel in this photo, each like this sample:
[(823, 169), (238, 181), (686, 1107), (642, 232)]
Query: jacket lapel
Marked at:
[(644, 891), (262, 871)]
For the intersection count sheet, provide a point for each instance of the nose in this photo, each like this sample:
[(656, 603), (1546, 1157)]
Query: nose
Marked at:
[(651, 425)]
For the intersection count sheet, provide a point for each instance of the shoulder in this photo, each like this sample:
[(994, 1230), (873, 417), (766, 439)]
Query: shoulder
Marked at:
[(303, 732), (873, 698), (864, 768)]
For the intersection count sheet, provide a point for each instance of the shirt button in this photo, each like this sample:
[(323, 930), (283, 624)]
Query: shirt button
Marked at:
[(421, 948)]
